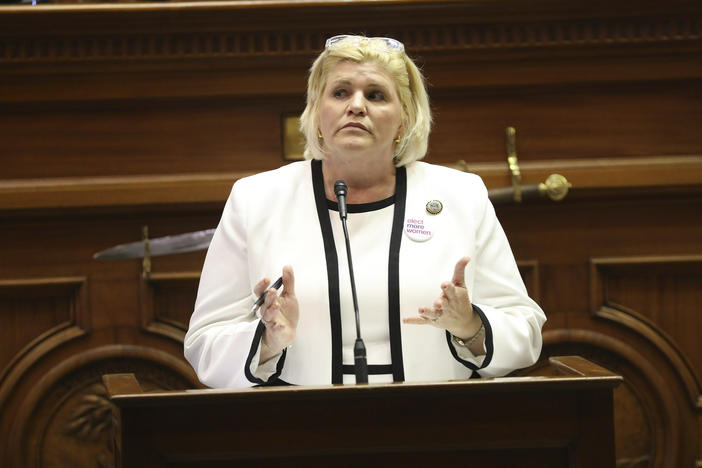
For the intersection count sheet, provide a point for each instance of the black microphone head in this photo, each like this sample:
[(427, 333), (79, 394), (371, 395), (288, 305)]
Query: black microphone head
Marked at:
[(340, 188)]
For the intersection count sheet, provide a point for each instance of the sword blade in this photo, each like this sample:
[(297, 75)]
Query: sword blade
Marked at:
[(181, 243)]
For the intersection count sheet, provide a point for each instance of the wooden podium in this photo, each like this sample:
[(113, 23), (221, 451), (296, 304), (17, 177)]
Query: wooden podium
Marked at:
[(564, 420)]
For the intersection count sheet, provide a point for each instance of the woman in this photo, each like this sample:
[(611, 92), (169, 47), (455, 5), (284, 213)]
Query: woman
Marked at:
[(439, 293)]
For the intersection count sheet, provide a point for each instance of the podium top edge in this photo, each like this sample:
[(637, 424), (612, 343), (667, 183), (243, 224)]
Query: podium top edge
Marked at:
[(516, 385)]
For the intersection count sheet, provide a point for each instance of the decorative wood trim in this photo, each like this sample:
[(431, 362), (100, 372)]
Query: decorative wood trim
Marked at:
[(174, 276), (577, 366), (667, 428), (228, 44), (150, 320), (77, 326), (235, 37), (603, 308), (32, 400), (60, 281), (599, 173), (116, 191), (82, 192), (121, 384)]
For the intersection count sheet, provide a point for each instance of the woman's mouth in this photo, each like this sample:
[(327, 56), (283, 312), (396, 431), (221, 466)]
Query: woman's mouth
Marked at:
[(355, 125)]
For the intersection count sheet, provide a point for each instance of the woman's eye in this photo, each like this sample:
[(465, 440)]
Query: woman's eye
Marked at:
[(339, 93), (376, 96)]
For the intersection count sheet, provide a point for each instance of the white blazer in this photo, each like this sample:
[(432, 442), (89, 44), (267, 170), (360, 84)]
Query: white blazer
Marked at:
[(282, 217)]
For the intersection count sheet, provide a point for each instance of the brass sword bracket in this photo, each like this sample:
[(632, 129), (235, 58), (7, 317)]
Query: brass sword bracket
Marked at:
[(514, 164), (555, 187)]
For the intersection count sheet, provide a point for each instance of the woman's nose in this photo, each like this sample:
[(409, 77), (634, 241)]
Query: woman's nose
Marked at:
[(357, 104)]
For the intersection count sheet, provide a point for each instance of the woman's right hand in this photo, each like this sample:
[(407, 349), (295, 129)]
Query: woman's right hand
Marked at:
[(279, 313)]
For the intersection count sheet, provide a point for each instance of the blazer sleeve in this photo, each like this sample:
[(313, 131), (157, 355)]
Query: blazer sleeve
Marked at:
[(222, 342), (513, 321)]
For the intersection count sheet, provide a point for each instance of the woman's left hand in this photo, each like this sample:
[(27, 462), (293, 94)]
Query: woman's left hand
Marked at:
[(452, 310)]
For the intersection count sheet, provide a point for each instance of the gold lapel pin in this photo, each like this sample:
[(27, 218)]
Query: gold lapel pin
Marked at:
[(434, 207)]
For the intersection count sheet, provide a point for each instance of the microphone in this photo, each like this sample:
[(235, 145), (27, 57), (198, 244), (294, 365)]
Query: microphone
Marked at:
[(359, 349), (340, 191)]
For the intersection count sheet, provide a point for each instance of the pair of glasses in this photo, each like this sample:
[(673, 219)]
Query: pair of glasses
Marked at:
[(386, 44)]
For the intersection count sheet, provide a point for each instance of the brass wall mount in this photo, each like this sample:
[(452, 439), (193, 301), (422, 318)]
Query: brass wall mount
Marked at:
[(514, 163), (555, 187)]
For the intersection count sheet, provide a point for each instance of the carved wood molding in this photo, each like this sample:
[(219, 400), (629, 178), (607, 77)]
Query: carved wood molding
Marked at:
[(644, 379), (49, 411), (226, 30), (73, 290), (604, 307), (156, 316), (116, 191), (81, 192), (600, 173), (247, 44)]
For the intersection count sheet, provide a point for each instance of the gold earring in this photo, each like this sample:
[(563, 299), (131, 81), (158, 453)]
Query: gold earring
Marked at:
[(397, 140), (319, 135)]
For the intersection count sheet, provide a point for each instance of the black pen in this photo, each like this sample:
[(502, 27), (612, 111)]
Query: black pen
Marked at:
[(262, 297)]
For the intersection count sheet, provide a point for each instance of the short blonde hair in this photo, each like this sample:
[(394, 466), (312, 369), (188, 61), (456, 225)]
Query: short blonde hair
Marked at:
[(409, 82)]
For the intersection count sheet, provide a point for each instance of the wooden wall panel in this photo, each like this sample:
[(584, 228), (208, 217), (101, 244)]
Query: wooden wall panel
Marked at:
[(141, 137), (558, 122), (167, 302), (37, 308), (119, 116), (609, 298), (657, 298)]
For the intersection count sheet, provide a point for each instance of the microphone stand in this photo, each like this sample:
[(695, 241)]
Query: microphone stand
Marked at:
[(359, 349)]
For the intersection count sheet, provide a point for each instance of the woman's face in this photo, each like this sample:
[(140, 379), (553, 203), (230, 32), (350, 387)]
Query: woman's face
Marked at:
[(360, 110)]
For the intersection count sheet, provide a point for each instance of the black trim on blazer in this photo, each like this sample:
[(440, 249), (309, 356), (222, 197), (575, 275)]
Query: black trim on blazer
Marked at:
[(252, 352), (398, 221), (275, 383), (362, 207), (332, 271), (373, 369), (489, 345)]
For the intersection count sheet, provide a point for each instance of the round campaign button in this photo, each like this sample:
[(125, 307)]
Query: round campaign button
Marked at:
[(418, 228)]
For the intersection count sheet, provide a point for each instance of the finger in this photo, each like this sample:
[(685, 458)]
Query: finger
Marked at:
[(451, 291), (432, 315), (271, 297), (261, 286), (459, 272), (416, 320), (267, 316), (288, 281), (270, 313)]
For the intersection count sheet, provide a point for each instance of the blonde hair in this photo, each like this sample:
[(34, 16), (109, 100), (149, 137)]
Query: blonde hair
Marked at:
[(409, 82)]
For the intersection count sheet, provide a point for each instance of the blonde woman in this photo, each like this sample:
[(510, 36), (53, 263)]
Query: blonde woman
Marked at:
[(439, 293)]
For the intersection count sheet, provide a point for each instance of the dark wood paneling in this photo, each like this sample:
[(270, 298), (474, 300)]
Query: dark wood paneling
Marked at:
[(119, 116), (142, 137), (562, 421), (620, 284), (167, 302), (36, 308), (558, 122), (657, 298)]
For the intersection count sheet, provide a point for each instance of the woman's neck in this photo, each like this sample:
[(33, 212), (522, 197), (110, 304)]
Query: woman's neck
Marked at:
[(366, 183)]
